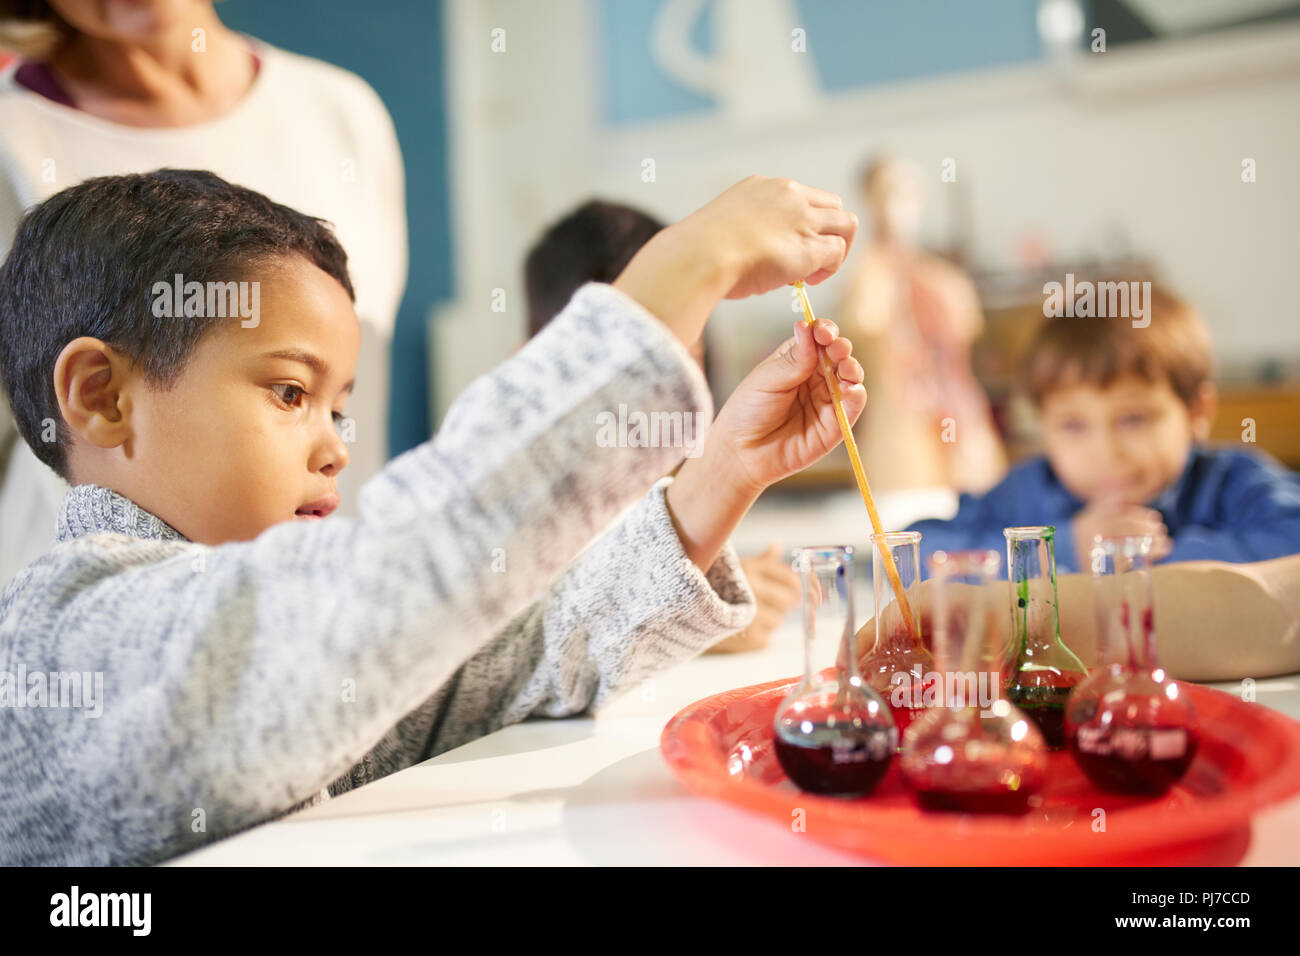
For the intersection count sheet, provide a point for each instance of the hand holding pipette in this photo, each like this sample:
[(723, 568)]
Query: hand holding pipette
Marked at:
[(780, 418), (777, 422), (846, 429), (759, 235)]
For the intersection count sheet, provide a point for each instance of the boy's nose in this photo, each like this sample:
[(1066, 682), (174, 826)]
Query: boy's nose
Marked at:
[(339, 461), (1116, 448), (330, 456)]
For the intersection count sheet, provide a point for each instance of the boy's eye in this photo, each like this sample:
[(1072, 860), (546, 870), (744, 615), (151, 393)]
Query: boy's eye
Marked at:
[(291, 395), (1134, 420), (1073, 425)]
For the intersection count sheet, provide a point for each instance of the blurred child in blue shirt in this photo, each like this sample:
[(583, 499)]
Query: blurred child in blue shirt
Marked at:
[(1124, 412)]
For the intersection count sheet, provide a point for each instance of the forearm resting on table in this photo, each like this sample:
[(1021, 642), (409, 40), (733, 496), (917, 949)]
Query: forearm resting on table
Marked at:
[(1214, 621)]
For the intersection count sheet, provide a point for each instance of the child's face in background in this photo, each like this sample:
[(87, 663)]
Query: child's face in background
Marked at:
[(246, 439), (1123, 444)]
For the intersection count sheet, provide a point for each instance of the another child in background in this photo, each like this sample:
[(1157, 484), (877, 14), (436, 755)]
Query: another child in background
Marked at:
[(1124, 413), (594, 243)]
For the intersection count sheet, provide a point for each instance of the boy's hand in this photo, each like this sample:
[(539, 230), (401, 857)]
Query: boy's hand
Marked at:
[(781, 418), (1113, 518), (776, 591), (774, 231), (759, 235)]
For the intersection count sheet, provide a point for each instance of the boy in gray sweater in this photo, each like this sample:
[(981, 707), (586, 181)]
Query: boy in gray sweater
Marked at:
[(205, 650)]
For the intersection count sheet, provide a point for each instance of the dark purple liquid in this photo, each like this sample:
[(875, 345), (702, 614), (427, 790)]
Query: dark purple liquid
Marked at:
[(841, 761), (1133, 769), (1050, 719), (999, 800), (1044, 704)]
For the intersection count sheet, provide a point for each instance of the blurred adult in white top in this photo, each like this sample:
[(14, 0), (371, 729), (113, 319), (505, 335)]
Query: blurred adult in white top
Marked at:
[(914, 318), (115, 86)]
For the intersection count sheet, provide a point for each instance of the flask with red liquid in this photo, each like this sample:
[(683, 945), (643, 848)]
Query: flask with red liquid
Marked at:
[(1043, 670), (832, 736), (1130, 727), (976, 752), (898, 667)]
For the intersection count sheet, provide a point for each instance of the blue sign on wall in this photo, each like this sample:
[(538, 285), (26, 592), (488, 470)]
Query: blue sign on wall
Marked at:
[(852, 43)]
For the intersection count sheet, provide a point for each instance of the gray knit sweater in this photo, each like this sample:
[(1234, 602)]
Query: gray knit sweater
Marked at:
[(243, 681)]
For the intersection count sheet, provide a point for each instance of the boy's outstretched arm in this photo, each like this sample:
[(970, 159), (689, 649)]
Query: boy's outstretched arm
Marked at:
[(662, 585), (630, 606)]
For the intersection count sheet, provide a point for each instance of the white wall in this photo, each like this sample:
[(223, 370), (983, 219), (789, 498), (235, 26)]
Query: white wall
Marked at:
[(1144, 143)]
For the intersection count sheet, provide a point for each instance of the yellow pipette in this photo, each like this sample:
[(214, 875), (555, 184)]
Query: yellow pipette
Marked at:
[(837, 400)]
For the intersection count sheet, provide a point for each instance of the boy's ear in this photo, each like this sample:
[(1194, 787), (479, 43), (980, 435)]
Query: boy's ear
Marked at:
[(1203, 409), (88, 382)]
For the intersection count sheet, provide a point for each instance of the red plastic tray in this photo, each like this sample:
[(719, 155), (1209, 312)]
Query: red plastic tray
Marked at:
[(1248, 758)]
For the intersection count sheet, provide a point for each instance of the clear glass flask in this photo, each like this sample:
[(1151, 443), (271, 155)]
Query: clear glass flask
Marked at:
[(1043, 670), (1130, 727), (975, 752), (832, 736), (898, 663)]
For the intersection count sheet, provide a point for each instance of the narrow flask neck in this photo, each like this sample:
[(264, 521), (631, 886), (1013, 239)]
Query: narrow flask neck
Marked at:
[(1128, 637), (1125, 615), (894, 641), (1035, 618)]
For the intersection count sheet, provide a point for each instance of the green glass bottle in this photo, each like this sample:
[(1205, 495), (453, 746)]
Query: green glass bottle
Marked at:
[(1044, 669)]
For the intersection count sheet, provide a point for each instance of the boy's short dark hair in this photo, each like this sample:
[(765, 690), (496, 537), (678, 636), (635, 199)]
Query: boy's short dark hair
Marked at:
[(594, 243), (84, 263), (31, 28), (1175, 347)]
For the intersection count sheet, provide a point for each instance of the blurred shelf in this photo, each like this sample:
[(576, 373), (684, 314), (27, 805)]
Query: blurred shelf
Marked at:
[(1274, 411)]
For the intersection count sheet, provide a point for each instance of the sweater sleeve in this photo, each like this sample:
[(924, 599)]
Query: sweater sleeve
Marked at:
[(1256, 517), (1028, 495), (978, 523), (630, 606), (241, 679)]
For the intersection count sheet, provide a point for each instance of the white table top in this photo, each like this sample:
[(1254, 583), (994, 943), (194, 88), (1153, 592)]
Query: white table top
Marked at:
[(596, 790)]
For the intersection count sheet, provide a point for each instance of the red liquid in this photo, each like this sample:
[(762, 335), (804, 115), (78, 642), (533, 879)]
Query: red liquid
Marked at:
[(1137, 771), (998, 800), (903, 718), (851, 768)]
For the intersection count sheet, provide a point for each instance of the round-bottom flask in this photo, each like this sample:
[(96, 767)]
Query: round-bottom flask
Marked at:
[(1129, 726), (975, 752), (833, 736), (898, 664)]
